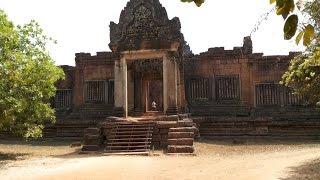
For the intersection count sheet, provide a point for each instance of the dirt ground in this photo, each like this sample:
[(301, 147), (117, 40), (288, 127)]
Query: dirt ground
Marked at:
[(213, 160)]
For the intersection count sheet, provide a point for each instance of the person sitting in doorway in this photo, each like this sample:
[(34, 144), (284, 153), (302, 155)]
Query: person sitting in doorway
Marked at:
[(154, 106)]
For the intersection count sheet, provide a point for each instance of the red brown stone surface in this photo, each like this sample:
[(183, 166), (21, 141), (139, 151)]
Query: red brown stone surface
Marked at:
[(232, 91)]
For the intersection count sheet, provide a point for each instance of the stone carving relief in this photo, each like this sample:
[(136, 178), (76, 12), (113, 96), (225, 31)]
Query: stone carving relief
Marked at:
[(144, 24), (153, 66)]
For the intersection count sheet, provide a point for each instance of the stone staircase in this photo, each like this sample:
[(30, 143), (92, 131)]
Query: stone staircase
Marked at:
[(181, 138), (128, 137), (92, 140)]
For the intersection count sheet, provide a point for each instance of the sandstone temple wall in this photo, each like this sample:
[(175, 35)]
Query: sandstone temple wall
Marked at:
[(221, 76)]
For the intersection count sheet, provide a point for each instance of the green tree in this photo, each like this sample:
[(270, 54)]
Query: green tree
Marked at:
[(197, 2), (304, 30), (304, 71), (27, 78)]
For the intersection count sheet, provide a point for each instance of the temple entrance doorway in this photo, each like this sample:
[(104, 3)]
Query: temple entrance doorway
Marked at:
[(145, 87), (154, 96)]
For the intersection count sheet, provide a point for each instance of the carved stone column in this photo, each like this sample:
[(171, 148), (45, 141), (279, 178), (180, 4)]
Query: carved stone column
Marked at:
[(124, 86), (118, 90), (170, 86), (78, 91)]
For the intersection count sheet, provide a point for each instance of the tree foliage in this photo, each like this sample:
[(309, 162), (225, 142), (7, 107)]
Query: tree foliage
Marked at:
[(27, 78), (197, 2), (304, 71), (304, 30)]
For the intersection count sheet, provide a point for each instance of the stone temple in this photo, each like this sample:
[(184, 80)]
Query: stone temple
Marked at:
[(151, 80)]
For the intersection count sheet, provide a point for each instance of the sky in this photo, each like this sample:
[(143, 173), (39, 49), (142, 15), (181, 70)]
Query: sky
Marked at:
[(83, 25)]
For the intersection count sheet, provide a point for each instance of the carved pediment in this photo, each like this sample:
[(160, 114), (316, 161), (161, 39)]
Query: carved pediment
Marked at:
[(144, 24)]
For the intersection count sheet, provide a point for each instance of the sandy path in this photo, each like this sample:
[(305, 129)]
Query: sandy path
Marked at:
[(261, 165)]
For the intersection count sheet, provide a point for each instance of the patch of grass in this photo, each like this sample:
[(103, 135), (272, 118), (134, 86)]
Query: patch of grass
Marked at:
[(309, 170)]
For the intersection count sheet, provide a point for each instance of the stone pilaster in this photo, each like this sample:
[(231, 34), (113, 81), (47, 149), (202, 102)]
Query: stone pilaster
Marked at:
[(170, 85), (120, 91), (124, 86)]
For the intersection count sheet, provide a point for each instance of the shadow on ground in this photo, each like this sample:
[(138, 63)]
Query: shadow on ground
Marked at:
[(12, 156), (36, 142), (309, 170), (8, 157), (258, 142)]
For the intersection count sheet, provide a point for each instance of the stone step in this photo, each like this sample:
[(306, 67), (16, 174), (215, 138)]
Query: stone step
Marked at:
[(181, 141), (89, 136), (120, 136), (131, 128), (129, 143), (128, 139), (128, 147), (133, 132), (180, 149), (182, 129), (125, 151), (96, 142), (128, 136), (90, 148), (176, 135), (128, 126), (92, 131), (185, 123)]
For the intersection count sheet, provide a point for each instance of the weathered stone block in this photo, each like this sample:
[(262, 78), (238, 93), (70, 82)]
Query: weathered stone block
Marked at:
[(156, 130), (164, 130), (180, 149), (96, 142), (166, 124), (183, 129), (156, 137), (93, 131), (164, 137), (156, 144), (183, 123), (90, 148), (176, 135), (163, 144), (182, 141), (88, 136), (172, 118)]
